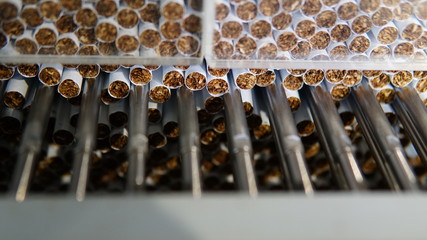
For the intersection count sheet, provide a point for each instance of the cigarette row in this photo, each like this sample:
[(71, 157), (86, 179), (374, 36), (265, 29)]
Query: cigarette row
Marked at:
[(273, 30), (136, 28)]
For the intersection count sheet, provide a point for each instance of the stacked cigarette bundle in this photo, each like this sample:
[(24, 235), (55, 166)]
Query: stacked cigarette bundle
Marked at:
[(139, 28), (320, 30)]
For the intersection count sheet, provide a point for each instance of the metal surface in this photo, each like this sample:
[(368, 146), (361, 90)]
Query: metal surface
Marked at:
[(388, 143), (240, 142), (189, 142), (86, 136), (32, 141), (289, 143), (334, 139), (138, 146)]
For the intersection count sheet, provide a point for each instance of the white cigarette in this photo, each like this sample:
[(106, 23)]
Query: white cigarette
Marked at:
[(15, 85), (172, 77), (103, 122), (402, 49), (319, 55), (28, 37), (71, 83), (139, 75), (106, 21), (338, 91), (297, 19), (346, 113), (119, 84), (385, 94), (123, 8), (50, 73), (118, 113), (7, 72), (291, 82), (150, 29), (303, 119), (87, 8), (158, 92), (156, 137), (177, 5), (48, 26), (67, 37), (188, 44), (128, 41), (378, 50), (234, 20), (63, 133), (243, 5), (389, 30), (195, 77), (354, 43), (217, 86), (266, 42), (294, 99), (409, 26), (119, 138), (243, 78), (219, 5), (155, 110)]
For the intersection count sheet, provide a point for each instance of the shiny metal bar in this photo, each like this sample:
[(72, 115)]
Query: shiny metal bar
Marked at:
[(138, 141), (388, 143), (85, 136), (240, 142), (32, 141), (334, 140), (412, 114), (189, 142), (290, 147)]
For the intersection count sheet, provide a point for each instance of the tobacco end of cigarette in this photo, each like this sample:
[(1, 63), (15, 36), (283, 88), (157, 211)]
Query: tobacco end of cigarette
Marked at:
[(214, 104), (68, 88), (262, 132), (160, 94), (157, 140), (386, 95), (305, 128), (173, 11), (217, 86), (118, 141), (13, 99), (65, 24), (173, 79), (246, 81), (265, 79), (195, 81), (166, 49), (219, 125), (106, 8), (294, 103), (340, 91), (9, 11), (209, 137), (107, 98), (26, 46), (49, 76), (171, 129), (118, 89)]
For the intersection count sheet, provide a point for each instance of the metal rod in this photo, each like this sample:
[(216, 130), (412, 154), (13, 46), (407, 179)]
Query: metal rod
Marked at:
[(138, 141), (189, 141), (32, 141), (369, 137), (388, 143), (411, 112), (240, 142), (290, 147), (85, 136), (334, 139)]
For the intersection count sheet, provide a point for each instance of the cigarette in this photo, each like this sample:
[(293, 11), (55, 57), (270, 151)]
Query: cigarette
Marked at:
[(304, 26), (71, 83), (420, 85), (243, 78), (209, 138), (107, 8), (127, 18), (15, 92), (71, 6), (340, 32), (294, 99), (108, 49), (359, 43), (204, 117), (390, 113), (291, 82), (103, 127), (361, 24), (311, 7), (50, 74), (13, 28), (50, 10), (109, 68), (11, 120), (420, 43), (106, 30), (402, 79), (139, 75), (346, 114), (410, 29), (385, 95), (371, 73), (119, 84), (10, 9), (158, 92), (212, 105), (149, 36), (338, 91), (326, 19), (86, 16), (219, 124), (292, 5), (338, 51), (172, 77), (382, 16), (152, 67), (106, 98), (166, 49), (89, 71), (268, 7), (119, 138), (379, 51), (127, 40), (30, 15), (335, 75), (217, 86), (286, 40), (118, 113), (369, 6), (231, 27), (402, 49), (195, 77), (353, 78), (188, 45), (222, 9), (263, 131), (156, 138), (246, 10), (265, 79), (63, 133), (150, 12), (172, 9), (403, 11), (302, 50), (46, 34), (68, 44), (380, 81), (170, 119), (420, 55), (304, 120), (258, 71), (154, 112), (386, 34), (313, 77), (423, 97), (247, 100), (347, 10), (25, 44), (28, 70), (192, 22), (65, 24), (4, 39), (320, 40), (218, 72)]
